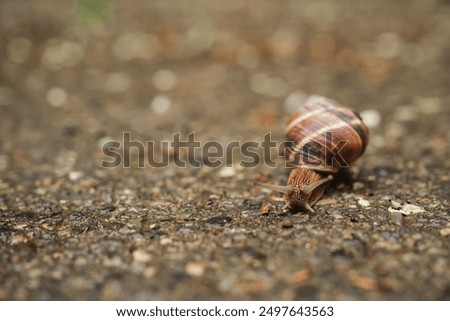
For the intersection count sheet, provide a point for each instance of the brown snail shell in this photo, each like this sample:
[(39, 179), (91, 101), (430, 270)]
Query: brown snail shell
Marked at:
[(323, 137)]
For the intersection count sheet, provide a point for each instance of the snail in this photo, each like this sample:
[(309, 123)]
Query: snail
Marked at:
[(323, 138)]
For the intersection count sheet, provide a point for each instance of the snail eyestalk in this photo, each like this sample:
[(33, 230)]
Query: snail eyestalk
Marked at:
[(308, 189), (309, 208)]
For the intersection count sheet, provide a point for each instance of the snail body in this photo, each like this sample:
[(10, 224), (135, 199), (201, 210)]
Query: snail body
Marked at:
[(323, 138)]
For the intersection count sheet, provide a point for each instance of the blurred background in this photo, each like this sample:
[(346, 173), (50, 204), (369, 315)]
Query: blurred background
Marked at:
[(75, 74), (78, 70)]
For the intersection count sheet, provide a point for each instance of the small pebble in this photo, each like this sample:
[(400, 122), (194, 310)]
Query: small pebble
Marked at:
[(219, 220), (269, 86), (75, 175), (16, 239), (165, 241), (294, 101), (185, 231), (141, 256), (362, 282), (363, 202), (105, 140), (302, 276), (62, 53), (261, 177), (357, 186), (445, 231), (56, 97), (287, 223), (160, 104), (371, 117), (227, 172), (405, 209), (195, 269)]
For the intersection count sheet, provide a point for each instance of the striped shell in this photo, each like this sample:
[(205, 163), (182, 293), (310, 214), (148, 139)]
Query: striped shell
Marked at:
[(324, 136)]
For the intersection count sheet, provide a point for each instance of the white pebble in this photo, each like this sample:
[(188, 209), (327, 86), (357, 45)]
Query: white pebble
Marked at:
[(165, 241), (413, 209), (195, 269), (200, 36), (75, 175), (227, 172), (160, 104), (133, 209), (294, 101), (141, 256), (17, 239), (59, 54), (445, 231), (164, 80), (56, 96), (363, 202), (405, 209), (102, 141), (128, 191), (269, 86), (371, 117)]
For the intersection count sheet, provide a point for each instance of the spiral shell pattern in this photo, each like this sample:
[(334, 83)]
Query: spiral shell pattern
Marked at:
[(325, 136)]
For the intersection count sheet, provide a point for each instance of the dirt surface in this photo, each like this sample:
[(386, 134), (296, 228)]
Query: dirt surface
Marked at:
[(75, 75)]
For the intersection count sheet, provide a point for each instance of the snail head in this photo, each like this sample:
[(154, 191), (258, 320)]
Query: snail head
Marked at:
[(305, 187)]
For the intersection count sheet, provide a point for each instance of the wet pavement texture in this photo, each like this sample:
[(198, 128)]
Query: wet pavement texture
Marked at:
[(75, 75)]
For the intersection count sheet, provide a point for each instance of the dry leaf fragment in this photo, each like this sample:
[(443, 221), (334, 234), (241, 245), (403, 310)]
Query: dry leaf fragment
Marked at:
[(405, 208)]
